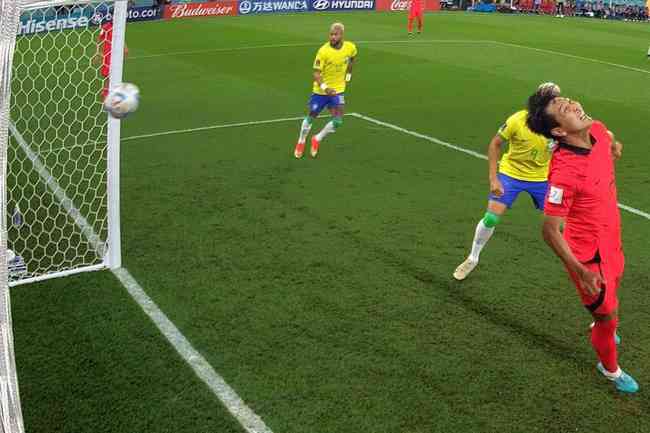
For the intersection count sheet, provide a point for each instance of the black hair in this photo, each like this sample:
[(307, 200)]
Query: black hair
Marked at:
[(538, 120)]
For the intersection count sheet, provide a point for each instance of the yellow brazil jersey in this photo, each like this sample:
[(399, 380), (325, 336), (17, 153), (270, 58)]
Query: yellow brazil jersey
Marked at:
[(333, 65), (528, 154)]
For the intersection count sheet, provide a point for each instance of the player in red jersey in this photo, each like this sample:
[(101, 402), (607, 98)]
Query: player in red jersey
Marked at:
[(416, 10), (582, 197), (104, 50)]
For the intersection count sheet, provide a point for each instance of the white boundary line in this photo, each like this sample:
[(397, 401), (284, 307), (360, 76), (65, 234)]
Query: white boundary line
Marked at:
[(469, 152), (428, 138), (222, 126), (399, 41), (572, 56), (300, 45), (418, 135), (54, 187), (208, 128), (635, 211), (251, 422)]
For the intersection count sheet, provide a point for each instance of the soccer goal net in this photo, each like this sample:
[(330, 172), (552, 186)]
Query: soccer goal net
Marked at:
[(59, 152)]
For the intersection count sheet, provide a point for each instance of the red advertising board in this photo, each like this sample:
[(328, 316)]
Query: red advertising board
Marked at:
[(403, 5), (190, 10)]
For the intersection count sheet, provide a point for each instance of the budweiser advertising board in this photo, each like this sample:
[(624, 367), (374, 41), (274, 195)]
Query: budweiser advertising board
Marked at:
[(190, 10), (403, 5)]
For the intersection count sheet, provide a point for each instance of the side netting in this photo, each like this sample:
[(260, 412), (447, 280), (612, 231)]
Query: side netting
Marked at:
[(58, 153), (11, 418)]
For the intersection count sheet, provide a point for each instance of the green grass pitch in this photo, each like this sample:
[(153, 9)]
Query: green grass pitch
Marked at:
[(321, 290)]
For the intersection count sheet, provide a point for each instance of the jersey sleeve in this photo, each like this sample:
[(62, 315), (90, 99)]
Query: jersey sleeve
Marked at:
[(560, 195), (353, 50), (319, 61), (507, 130)]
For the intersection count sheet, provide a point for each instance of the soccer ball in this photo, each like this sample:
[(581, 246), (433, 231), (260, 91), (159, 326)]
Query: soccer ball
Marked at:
[(122, 100), (549, 87)]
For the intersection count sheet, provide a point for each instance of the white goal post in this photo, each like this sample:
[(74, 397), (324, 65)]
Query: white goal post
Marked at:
[(59, 153)]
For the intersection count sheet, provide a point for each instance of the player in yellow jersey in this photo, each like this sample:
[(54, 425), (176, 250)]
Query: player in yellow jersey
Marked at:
[(332, 72), (524, 167)]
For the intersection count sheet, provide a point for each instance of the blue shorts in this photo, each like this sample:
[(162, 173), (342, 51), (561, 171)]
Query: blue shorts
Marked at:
[(318, 102), (512, 187)]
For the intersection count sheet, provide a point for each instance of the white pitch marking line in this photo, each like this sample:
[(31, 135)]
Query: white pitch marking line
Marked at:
[(208, 128), (400, 41), (219, 50), (573, 56), (467, 151), (635, 211), (358, 116), (221, 126), (251, 422), (417, 134), (300, 45), (60, 194)]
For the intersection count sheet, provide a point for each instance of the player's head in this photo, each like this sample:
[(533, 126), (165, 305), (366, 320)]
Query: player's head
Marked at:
[(336, 34), (555, 116)]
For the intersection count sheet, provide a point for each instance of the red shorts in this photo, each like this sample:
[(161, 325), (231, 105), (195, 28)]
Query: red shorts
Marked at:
[(415, 12), (607, 300)]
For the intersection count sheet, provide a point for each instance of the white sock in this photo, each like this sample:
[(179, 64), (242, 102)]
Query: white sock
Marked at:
[(304, 131), (328, 129), (613, 376), (481, 236)]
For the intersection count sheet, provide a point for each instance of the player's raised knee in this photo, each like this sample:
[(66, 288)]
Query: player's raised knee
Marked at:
[(491, 219)]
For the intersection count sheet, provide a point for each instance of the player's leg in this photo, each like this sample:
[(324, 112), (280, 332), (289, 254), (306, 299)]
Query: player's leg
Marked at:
[(420, 22), (604, 309), (316, 105), (617, 337), (497, 206), (482, 234), (409, 26), (337, 110), (603, 340)]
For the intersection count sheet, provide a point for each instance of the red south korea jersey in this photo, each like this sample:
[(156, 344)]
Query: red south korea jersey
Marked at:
[(582, 189), (416, 5), (106, 41)]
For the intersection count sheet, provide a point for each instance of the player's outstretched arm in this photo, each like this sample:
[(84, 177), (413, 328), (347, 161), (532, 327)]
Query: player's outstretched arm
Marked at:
[(494, 152), (348, 72), (551, 231), (617, 146)]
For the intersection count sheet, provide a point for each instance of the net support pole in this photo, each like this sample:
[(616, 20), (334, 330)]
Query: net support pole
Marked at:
[(10, 410), (113, 259)]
